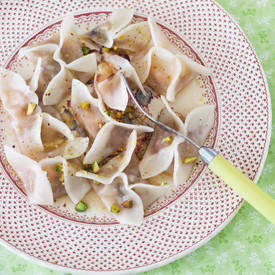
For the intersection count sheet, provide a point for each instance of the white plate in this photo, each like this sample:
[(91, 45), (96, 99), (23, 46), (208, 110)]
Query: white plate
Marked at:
[(187, 217)]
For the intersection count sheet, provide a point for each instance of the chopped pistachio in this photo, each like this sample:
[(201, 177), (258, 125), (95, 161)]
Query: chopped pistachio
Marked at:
[(129, 109), (86, 168), (97, 183), (58, 168), (106, 49), (120, 149), (85, 105), (62, 178), (31, 107), (118, 115), (163, 183), (107, 113), (127, 204), (53, 143), (168, 139), (114, 208), (189, 160), (81, 207), (131, 116), (95, 167), (85, 50)]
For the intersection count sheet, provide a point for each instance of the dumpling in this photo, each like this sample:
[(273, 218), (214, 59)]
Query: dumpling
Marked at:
[(35, 180), (66, 149), (158, 37), (118, 192), (147, 192), (198, 124), (86, 109), (38, 134), (112, 151), (123, 65), (62, 177), (129, 193), (112, 89), (69, 47), (53, 129), (113, 92), (16, 96), (165, 72), (92, 115), (135, 38), (159, 69), (50, 178), (60, 86), (104, 33), (61, 62), (161, 149), (58, 140), (160, 40), (69, 54), (142, 37), (49, 67)]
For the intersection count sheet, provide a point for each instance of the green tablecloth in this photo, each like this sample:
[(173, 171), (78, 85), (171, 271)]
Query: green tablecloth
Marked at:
[(247, 244)]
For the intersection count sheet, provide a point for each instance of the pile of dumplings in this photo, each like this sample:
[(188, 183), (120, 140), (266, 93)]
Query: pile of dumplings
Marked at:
[(77, 130)]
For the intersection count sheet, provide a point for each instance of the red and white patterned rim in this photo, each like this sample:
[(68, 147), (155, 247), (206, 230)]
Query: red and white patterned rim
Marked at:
[(195, 214)]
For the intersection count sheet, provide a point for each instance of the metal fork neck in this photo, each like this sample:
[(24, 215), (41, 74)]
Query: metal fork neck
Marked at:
[(207, 154)]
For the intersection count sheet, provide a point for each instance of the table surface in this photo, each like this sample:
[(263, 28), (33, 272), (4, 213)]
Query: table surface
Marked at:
[(247, 244)]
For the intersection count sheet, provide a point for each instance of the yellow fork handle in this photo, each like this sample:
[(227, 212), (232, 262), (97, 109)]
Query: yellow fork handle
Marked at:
[(245, 187)]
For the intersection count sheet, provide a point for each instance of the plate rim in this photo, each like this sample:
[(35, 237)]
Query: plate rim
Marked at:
[(215, 231)]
